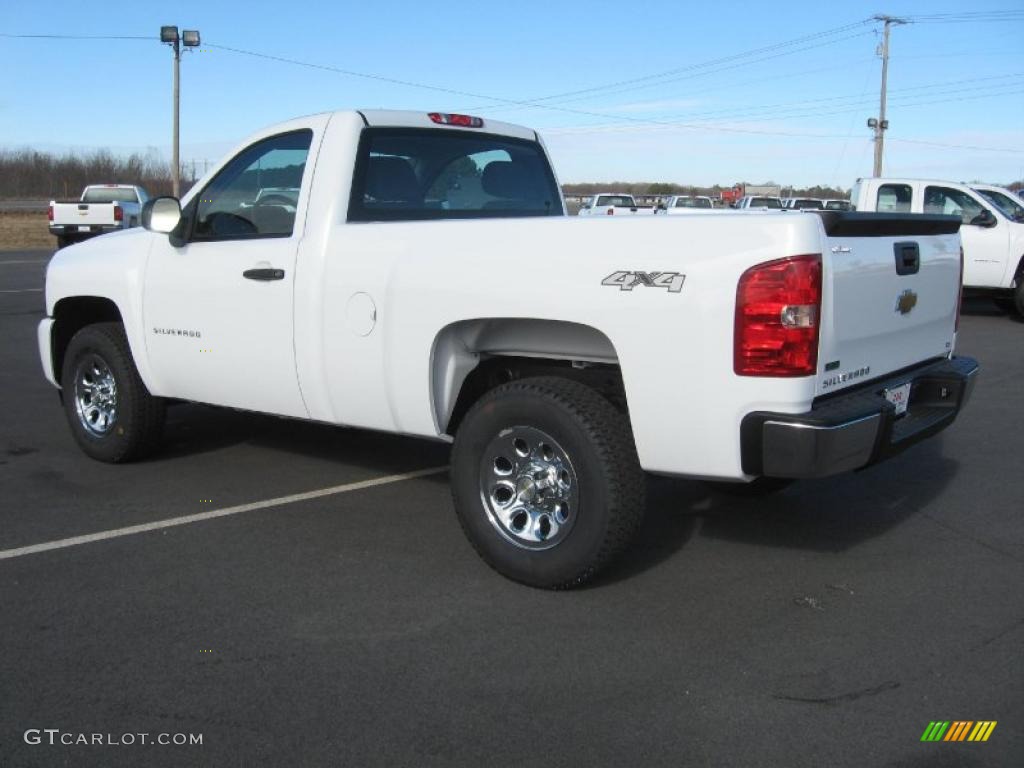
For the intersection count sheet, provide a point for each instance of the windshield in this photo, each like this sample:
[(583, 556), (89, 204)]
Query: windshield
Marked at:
[(837, 205), (110, 195), (693, 202), (1006, 204), (617, 201)]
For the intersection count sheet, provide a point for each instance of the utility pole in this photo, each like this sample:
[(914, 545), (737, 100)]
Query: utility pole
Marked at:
[(880, 124), (190, 38)]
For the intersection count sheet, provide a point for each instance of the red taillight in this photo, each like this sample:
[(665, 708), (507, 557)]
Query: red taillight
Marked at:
[(118, 213), (777, 310), (49, 213), (465, 121), (959, 292), (611, 211)]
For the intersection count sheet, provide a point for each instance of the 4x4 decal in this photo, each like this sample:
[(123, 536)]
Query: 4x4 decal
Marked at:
[(627, 281)]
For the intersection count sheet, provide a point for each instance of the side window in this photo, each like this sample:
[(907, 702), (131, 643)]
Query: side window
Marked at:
[(952, 202), (893, 198), (256, 193), (408, 174)]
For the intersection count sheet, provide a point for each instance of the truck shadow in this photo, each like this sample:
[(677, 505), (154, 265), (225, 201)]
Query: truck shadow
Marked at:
[(197, 429), (828, 515)]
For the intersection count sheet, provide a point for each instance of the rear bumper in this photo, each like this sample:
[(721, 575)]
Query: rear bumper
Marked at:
[(84, 229), (857, 428)]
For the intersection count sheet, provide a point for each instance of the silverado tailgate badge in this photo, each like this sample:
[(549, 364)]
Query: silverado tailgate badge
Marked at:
[(906, 301), (627, 281)]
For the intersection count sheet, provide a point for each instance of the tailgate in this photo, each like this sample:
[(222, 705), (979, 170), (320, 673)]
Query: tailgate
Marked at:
[(892, 299), (83, 213)]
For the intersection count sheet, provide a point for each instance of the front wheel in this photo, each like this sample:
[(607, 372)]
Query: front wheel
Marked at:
[(1012, 304), (546, 481), (112, 415)]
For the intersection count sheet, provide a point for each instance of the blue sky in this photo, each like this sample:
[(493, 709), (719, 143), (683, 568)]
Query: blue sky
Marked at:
[(794, 114)]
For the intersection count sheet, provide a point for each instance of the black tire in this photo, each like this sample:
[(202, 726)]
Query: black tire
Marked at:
[(137, 421), (608, 484), (1014, 303), (755, 489)]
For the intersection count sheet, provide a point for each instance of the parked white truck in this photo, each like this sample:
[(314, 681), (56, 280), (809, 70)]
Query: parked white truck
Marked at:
[(993, 239), (102, 208), (677, 204), (608, 203), (427, 282)]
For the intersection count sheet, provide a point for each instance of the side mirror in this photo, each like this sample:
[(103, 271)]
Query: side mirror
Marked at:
[(161, 214), (985, 219)]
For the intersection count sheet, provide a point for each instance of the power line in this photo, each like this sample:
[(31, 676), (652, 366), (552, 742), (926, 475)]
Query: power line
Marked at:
[(80, 37)]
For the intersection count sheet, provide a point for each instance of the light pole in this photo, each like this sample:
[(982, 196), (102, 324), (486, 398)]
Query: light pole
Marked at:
[(190, 39)]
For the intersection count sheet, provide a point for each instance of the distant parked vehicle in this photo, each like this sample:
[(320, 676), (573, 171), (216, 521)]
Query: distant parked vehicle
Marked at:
[(688, 203), (609, 203), (993, 241), (837, 205), (803, 204), (102, 208), (758, 201)]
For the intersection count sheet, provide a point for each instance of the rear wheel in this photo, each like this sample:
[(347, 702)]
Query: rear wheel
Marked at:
[(546, 481), (112, 415)]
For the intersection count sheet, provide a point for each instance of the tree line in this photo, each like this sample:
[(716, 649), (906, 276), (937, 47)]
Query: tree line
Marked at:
[(32, 175)]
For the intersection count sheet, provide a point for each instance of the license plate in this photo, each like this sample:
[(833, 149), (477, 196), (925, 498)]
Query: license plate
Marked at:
[(84, 229), (899, 396)]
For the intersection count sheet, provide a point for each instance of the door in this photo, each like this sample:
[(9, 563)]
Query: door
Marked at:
[(985, 244), (219, 309)]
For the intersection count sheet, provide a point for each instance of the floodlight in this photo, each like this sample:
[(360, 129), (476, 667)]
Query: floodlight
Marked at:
[(190, 37), (168, 34)]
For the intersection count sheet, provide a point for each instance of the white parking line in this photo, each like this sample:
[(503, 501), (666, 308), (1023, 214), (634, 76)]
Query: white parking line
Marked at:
[(25, 290), (74, 541)]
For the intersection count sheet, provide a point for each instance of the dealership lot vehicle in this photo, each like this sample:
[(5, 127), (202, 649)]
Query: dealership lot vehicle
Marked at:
[(993, 240), (802, 203), (609, 203), (687, 203), (555, 408), (102, 208), (328, 630), (754, 202)]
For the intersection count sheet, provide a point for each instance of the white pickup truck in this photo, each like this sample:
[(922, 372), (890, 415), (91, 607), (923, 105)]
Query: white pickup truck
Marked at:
[(682, 204), (993, 239), (755, 202), (102, 208), (427, 282), (608, 203)]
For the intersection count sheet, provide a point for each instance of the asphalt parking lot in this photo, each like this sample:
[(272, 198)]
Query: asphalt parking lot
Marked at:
[(827, 625)]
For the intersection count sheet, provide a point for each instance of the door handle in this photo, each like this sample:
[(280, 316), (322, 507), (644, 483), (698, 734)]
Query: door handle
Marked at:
[(263, 274), (908, 258)]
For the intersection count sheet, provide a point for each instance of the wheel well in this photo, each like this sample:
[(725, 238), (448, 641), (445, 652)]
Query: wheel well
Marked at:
[(474, 356), (495, 371), (72, 315)]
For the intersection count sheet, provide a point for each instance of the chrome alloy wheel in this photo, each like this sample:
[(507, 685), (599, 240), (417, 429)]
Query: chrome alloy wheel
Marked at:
[(528, 488), (95, 395)]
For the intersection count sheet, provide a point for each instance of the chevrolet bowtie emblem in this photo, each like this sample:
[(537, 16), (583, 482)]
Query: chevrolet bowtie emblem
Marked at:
[(906, 301)]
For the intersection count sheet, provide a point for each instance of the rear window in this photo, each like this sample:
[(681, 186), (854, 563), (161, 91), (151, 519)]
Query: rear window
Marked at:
[(893, 198), (616, 201), (409, 174), (837, 205), (110, 195), (808, 205), (765, 202), (693, 202)]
